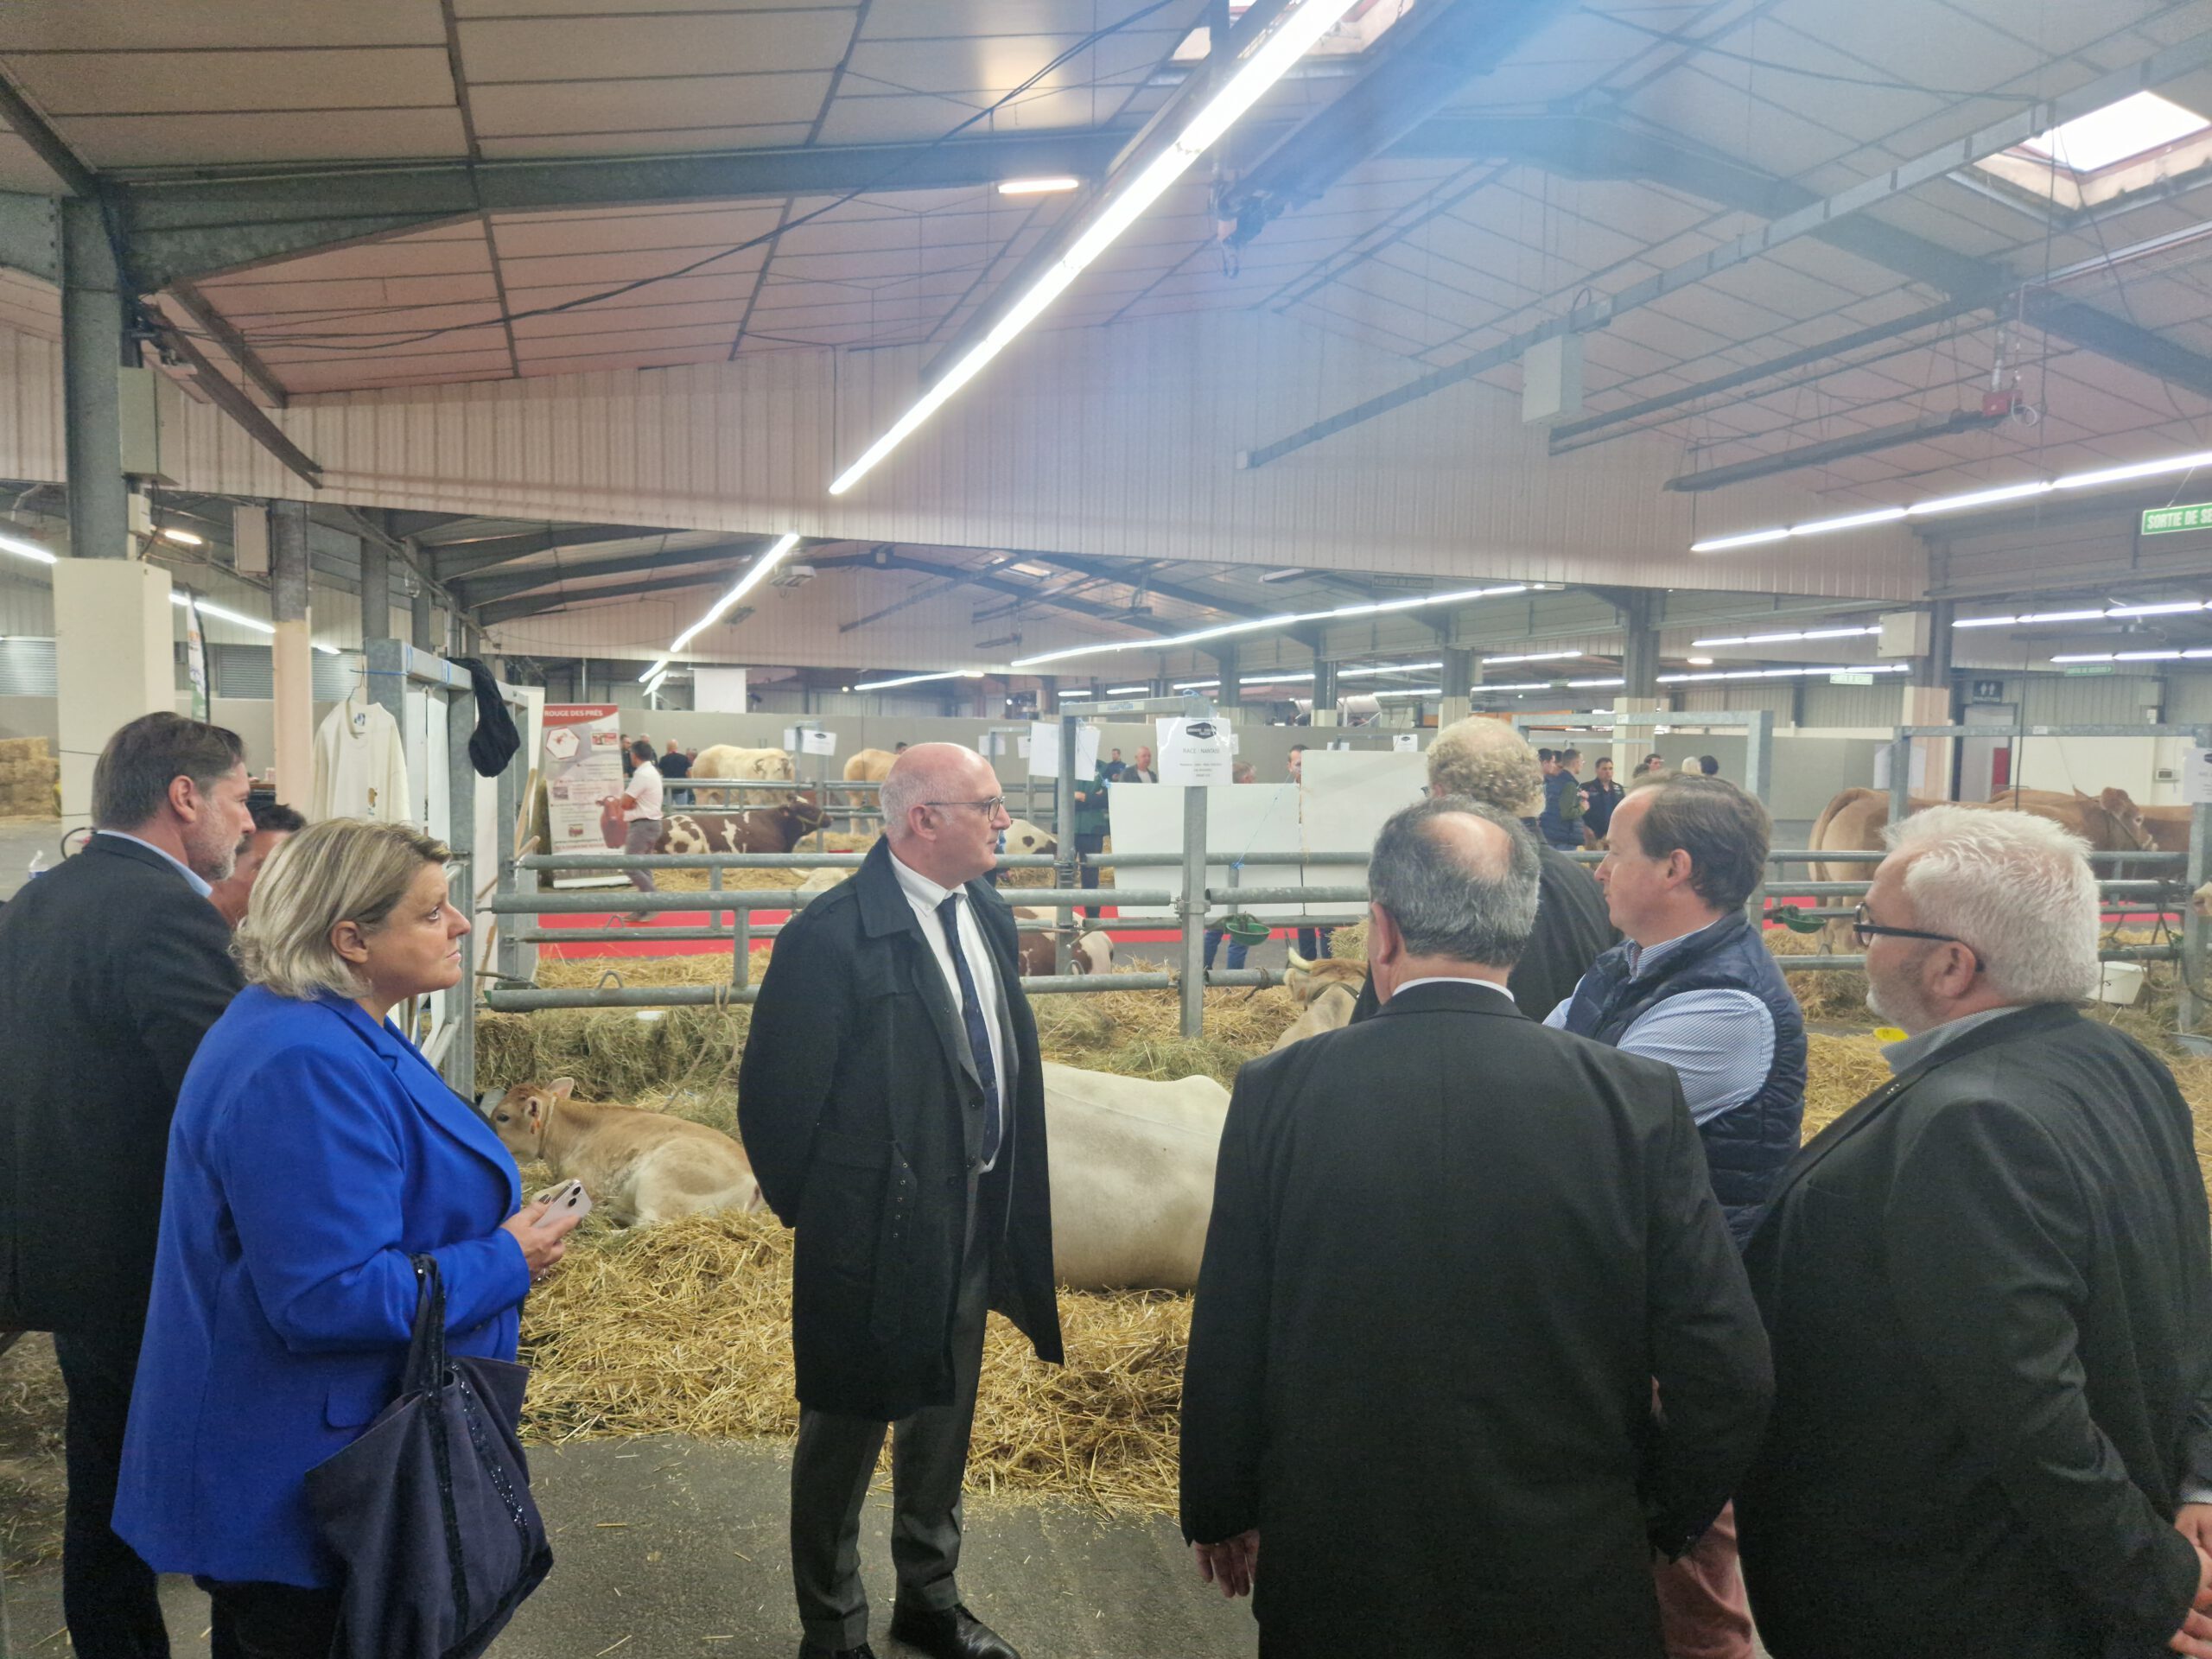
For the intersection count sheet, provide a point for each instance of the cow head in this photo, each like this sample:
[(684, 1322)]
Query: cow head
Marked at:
[(518, 1117), (2127, 820), (1093, 953), (1307, 980), (2201, 901)]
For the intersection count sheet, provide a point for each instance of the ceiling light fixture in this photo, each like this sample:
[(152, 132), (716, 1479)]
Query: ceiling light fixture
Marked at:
[(2133, 656), (1371, 669), (918, 679), (2089, 480), (28, 549), (1287, 620), (2032, 617), (1285, 42), (1536, 656), (1128, 690), (1786, 673), (1699, 662), (1782, 639), (181, 600), (1074, 693), (182, 537), (1038, 186), (1412, 691), (659, 663), (754, 573)]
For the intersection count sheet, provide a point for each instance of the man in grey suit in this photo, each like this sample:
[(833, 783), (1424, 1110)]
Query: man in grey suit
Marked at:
[(892, 1102)]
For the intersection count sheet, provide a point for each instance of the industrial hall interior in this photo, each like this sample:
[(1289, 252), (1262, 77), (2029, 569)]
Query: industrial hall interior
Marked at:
[(1106, 828)]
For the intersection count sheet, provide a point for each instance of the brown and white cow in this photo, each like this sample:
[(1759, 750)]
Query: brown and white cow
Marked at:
[(771, 829), (1327, 990), (1093, 952), (1023, 836), (639, 1166)]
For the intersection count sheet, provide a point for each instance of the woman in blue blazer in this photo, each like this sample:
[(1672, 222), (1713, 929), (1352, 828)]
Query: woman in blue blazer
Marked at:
[(312, 1152)]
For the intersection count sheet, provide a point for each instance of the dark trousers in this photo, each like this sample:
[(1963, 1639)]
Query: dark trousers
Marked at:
[(1312, 943), (107, 1592), (836, 1460), (1236, 947), (271, 1621), (1093, 842)]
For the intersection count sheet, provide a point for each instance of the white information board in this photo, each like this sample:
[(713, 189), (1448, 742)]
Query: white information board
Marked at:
[(1250, 827), (1044, 749), (1348, 794), (2197, 777), (815, 742), (1194, 752)]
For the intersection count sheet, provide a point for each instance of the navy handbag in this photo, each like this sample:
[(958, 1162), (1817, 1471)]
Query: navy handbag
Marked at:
[(430, 1509)]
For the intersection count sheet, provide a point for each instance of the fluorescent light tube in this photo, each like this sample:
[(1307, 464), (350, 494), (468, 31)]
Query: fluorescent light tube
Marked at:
[(1985, 622), (1260, 624), (1749, 538), (753, 575), (2139, 469), (1127, 690), (1289, 39), (920, 679), (659, 664), (222, 615), (182, 537), (2174, 608), (27, 549), (1038, 187), (1980, 497), (1536, 656), (1849, 521)]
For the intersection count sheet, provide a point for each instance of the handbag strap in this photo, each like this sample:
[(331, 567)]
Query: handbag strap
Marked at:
[(426, 1350)]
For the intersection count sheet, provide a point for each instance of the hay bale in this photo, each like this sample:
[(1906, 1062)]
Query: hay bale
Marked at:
[(611, 1052)]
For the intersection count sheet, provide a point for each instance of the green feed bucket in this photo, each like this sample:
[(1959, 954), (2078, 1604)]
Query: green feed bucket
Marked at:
[(1245, 930)]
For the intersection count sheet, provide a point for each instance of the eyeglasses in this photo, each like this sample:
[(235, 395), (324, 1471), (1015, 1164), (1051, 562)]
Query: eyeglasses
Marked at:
[(1866, 932), (989, 808)]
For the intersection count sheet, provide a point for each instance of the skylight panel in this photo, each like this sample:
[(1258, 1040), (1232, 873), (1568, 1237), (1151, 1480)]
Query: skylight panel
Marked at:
[(2119, 132)]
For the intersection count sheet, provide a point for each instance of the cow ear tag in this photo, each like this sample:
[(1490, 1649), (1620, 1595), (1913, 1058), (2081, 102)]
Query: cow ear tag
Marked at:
[(1890, 1034)]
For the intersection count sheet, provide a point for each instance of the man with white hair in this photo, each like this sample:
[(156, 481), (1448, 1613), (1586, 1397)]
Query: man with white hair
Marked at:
[(892, 1100), (1989, 1290)]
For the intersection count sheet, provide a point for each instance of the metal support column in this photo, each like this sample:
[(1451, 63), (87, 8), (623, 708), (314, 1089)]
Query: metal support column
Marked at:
[(460, 1066), (1227, 699), (1066, 873), (420, 620), (1324, 692), (1192, 906), (291, 659), (1639, 610), (2189, 1007), (376, 590), (1759, 782), (92, 360)]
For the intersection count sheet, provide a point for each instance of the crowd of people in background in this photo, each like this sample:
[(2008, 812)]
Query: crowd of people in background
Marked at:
[(1525, 1320)]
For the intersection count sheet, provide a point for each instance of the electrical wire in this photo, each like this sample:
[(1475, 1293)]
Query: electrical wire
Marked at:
[(388, 340)]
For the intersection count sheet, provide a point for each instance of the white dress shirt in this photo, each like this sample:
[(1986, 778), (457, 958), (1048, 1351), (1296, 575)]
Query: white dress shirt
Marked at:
[(925, 895), (644, 788), (1453, 979)]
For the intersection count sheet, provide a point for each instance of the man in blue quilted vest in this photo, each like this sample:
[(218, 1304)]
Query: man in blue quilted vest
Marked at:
[(1692, 983)]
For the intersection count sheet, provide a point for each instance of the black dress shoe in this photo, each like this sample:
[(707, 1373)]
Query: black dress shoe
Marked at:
[(954, 1633), (808, 1650)]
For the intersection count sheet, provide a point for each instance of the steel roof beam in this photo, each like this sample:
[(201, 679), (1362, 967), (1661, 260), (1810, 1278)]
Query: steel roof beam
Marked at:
[(510, 610), (1832, 219), (479, 590), (882, 559), (454, 560), (184, 229)]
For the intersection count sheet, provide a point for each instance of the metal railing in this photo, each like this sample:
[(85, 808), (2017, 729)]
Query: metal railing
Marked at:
[(1192, 905)]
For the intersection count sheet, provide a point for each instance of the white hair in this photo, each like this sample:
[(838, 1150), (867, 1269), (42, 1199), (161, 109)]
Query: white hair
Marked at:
[(2017, 889), (914, 777)]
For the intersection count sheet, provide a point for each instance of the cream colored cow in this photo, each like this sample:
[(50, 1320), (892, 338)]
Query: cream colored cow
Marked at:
[(1130, 1161), (728, 760), (639, 1166), (1327, 990)]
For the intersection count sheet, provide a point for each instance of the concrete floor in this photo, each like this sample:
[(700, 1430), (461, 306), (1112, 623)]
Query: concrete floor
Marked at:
[(19, 840), (669, 1546)]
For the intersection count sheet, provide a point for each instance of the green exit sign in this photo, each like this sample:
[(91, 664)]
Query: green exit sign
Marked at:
[(2164, 521)]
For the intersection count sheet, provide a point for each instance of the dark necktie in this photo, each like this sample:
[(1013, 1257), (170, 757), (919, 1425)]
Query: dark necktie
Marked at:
[(979, 1035)]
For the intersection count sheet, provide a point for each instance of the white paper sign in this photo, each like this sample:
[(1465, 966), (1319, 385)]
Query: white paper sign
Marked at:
[(1406, 743), (1195, 751), (791, 740), (2197, 777), (813, 742), (1044, 749)]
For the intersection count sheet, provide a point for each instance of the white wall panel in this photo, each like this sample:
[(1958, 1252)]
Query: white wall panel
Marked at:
[(1119, 441)]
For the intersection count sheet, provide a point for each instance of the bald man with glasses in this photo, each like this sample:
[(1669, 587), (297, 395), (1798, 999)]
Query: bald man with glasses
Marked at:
[(892, 1100)]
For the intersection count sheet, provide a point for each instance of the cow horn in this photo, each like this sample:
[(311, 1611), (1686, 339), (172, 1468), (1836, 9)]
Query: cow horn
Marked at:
[(1299, 963)]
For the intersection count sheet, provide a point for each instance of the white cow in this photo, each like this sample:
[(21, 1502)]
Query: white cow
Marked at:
[(1023, 836), (728, 760), (1131, 1165), (820, 881)]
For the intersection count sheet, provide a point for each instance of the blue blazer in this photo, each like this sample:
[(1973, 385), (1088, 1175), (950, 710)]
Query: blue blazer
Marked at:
[(312, 1154)]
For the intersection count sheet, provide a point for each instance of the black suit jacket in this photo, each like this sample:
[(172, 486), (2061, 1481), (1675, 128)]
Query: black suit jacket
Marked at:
[(1429, 1321), (1989, 1287), (1572, 931), (862, 1113), (111, 970)]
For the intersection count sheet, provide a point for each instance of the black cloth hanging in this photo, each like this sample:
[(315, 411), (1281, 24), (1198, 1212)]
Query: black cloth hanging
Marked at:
[(494, 741)]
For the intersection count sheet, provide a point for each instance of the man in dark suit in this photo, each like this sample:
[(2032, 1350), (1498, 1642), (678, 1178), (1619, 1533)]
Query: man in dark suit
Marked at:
[(1989, 1288), (1487, 761), (1450, 1251), (892, 1104), (113, 967)]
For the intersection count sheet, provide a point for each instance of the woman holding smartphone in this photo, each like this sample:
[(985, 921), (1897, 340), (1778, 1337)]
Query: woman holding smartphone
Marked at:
[(313, 1155)]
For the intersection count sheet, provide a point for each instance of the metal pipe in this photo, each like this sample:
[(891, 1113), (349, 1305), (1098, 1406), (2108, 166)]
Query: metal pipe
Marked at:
[(92, 385), (750, 899), (1190, 906)]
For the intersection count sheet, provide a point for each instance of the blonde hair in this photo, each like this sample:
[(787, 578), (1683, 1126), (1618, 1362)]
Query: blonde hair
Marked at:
[(1487, 761), (340, 870)]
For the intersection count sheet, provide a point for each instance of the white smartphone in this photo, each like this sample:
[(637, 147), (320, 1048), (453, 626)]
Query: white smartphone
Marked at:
[(569, 1199)]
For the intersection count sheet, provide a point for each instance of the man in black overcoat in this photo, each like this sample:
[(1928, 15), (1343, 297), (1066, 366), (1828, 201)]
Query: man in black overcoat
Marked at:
[(892, 1104), (1989, 1289), (1451, 1251), (113, 967)]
